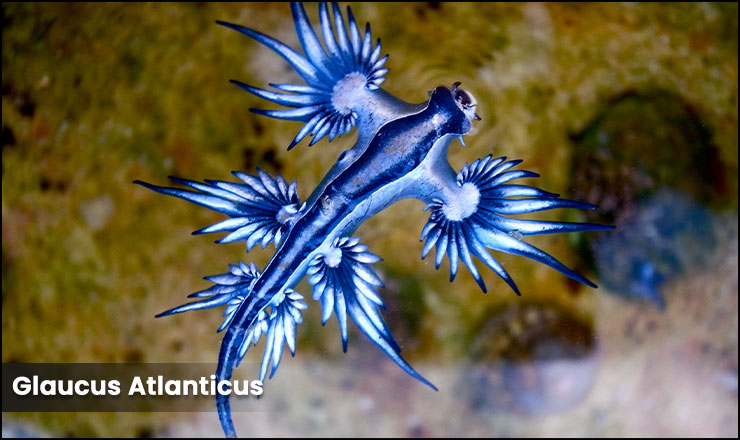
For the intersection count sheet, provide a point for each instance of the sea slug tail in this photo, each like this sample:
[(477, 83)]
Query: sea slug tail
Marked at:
[(226, 363), (277, 319)]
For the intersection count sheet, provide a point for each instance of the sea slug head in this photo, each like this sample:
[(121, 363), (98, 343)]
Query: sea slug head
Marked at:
[(454, 109), (465, 101)]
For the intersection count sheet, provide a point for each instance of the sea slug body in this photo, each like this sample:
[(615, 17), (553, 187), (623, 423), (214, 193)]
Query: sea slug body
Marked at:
[(401, 152)]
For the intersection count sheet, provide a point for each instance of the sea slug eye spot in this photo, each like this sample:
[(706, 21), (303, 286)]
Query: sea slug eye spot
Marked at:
[(464, 98), (465, 101)]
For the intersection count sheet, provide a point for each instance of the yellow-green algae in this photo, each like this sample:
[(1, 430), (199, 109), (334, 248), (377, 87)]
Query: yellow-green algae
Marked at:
[(97, 95)]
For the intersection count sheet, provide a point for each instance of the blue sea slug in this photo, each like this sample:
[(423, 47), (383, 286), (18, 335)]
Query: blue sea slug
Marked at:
[(401, 152)]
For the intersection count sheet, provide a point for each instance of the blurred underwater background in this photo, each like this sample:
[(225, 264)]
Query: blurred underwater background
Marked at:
[(633, 107)]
